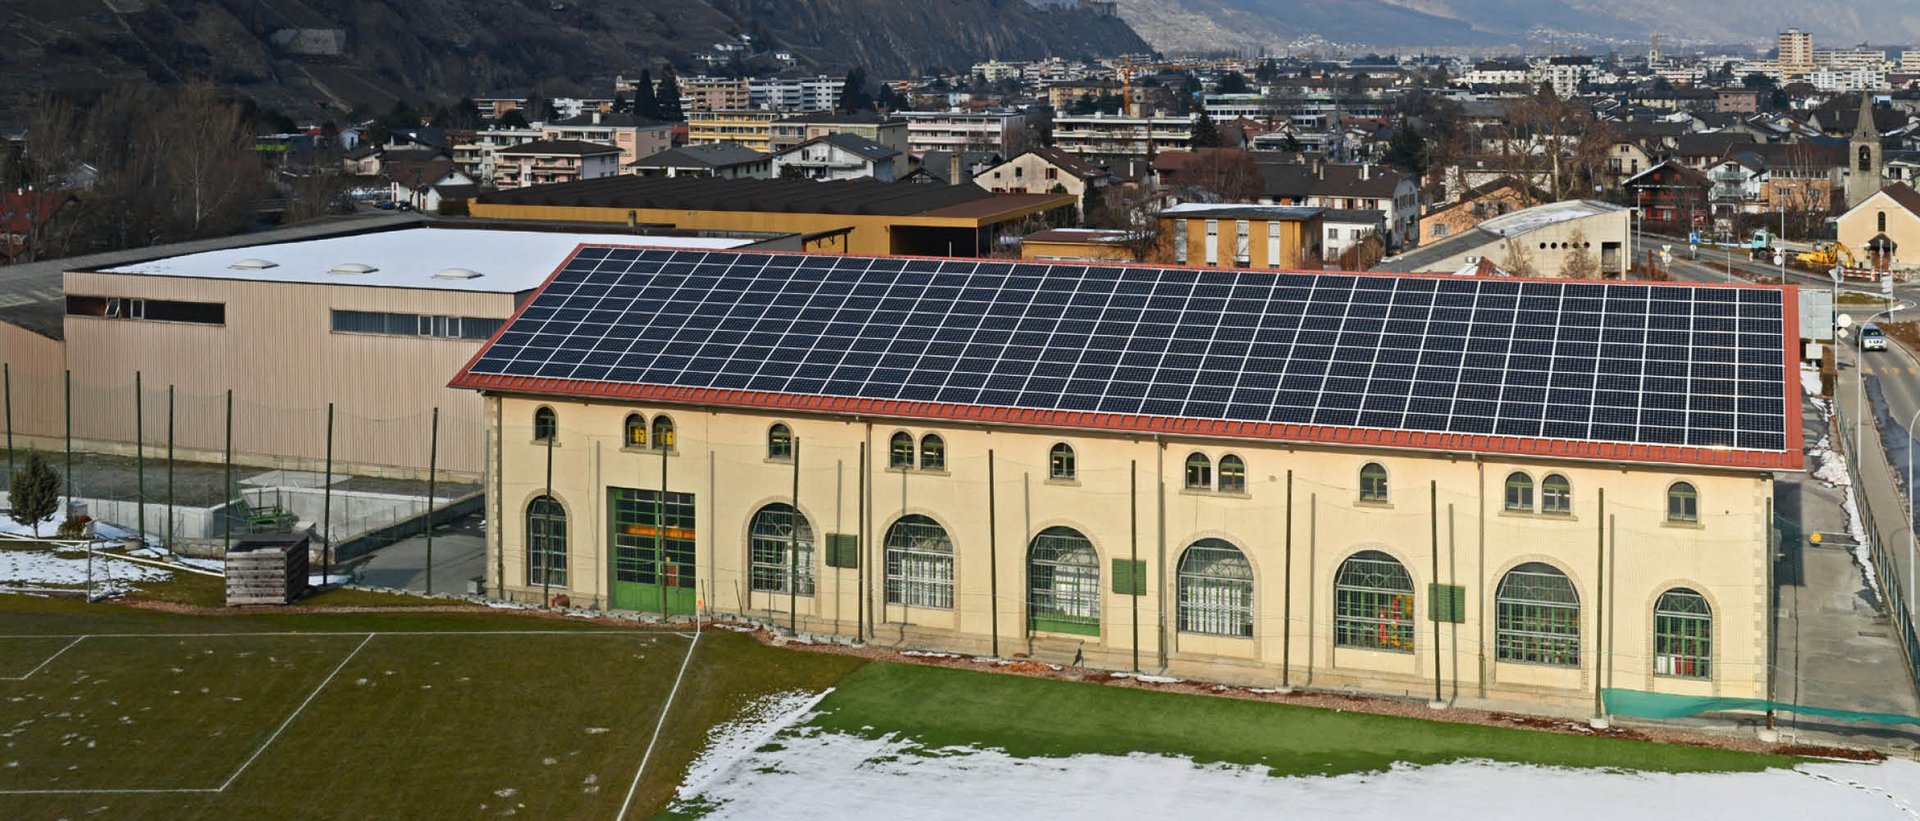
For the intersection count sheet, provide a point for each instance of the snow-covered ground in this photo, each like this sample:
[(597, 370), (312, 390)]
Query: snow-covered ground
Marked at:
[(813, 773), (41, 568)]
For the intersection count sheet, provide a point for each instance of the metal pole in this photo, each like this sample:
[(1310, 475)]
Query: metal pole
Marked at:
[(860, 549), (326, 508), (993, 559), (433, 469), (1600, 604), (546, 555), (1286, 596), (226, 490), (660, 529), (1433, 505), (169, 468), (793, 548), (139, 460), (1133, 555), (6, 375), (67, 377)]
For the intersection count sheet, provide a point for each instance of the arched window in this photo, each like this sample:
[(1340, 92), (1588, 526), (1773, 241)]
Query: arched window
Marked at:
[(1233, 474), (777, 535), (1373, 482), (1199, 472), (1683, 503), (1682, 635), (1060, 462), (933, 453), (1373, 603), (1215, 590), (1063, 583), (1556, 495), (662, 432), (635, 434), (900, 451), (779, 442), (1883, 222), (546, 424), (1537, 617), (1866, 159), (919, 563), (1519, 491), (546, 541)]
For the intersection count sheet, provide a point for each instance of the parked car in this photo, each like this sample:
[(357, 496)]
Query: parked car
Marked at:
[(1872, 338)]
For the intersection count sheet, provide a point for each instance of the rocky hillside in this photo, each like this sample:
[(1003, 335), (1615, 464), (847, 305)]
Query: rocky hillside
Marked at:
[(1199, 26), (294, 54)]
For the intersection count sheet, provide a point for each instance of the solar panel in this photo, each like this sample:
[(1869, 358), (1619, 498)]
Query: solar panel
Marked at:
[(1622, 363)]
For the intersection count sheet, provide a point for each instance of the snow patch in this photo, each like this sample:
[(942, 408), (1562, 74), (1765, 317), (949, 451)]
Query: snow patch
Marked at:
[(929, 654), (817, 774), (1832, 471), (1147, 679), (42, 566), (758, 723)]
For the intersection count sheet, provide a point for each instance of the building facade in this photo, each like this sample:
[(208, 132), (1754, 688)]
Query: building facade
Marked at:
[(962, 130), (1196, 550), (1123, 136), (542, 162)]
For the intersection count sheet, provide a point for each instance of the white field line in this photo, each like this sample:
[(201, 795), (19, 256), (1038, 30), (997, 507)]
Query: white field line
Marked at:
[(296, 713), (243, 634), (664, 708), (47, 661)]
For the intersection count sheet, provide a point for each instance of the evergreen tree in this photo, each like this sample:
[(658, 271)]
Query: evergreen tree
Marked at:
[(669, 97), (645, 104), (853, 95), (1232, 83), (1407, 150), (35, 493), (1204, 134)]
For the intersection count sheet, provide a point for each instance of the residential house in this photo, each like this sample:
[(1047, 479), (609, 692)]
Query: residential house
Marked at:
[(725, 160), (838, 157), (1884, 229), (636, 137), (1241, 236), (747, 127), (1046, 170), (1350, 187), (1699, 151), (24, 215), (952, 167), (885, 130), (1479, 204), (1108, 134), (417, 183), (477, 155), (1348, 228), (962, 130), (549, 161), (362, 161), (1672, 196)]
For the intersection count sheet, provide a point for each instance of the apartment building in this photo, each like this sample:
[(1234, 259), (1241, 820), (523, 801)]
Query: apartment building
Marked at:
[(1108, 134), (549, 161), (636, 137), (958, 130), (750, 128)]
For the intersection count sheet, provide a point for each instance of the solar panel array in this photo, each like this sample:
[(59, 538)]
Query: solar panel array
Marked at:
[(1630, 363)]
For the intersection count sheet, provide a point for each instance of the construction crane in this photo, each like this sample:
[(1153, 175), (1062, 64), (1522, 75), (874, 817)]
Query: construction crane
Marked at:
[(1126, 70)]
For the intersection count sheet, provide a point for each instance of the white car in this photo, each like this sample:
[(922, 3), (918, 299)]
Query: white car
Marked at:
[(1872, 338)]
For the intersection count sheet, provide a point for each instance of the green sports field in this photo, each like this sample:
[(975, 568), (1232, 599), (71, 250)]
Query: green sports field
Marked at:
[(119, 712)]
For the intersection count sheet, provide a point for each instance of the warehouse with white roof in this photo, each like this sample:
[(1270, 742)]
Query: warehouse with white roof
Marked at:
[(369, 323)]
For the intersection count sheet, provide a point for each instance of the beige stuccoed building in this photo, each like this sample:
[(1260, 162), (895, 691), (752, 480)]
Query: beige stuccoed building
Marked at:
[(1398, 560)]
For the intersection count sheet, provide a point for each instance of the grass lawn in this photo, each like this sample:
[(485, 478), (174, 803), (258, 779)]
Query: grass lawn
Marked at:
[(435, 714), (1040, 717), (430, 715)]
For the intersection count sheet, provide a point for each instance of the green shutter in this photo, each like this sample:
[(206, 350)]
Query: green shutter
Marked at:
[(843, 550), (1129, 577), (1447, 603)]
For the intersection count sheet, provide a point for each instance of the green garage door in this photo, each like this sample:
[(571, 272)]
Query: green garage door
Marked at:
[(652, 559)]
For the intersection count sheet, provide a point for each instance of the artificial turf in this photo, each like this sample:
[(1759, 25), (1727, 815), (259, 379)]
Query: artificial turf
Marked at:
[(1042, 717)]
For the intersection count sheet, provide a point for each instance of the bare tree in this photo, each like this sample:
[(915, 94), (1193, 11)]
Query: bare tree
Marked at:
[(1223, 175), (211, 174), (1519, 260), (1580, 264)]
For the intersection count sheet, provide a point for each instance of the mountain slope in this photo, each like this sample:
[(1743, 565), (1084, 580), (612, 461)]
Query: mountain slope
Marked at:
[(1213, 25), (287, 53)]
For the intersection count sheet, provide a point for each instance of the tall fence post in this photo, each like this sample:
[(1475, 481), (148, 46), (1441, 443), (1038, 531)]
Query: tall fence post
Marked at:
[(140, 458), (226, 508), (169, 468), (67, 388), (433, 465), (6, 375), (326, 508)]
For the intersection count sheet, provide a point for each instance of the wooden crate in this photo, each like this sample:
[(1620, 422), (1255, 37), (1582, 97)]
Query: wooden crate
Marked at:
[(267, 568)]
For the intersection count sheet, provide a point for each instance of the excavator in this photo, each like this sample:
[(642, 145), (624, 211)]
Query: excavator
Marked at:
[(1825, 255)]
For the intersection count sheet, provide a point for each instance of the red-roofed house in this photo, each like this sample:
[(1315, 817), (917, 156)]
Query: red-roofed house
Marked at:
[(22, 216)]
